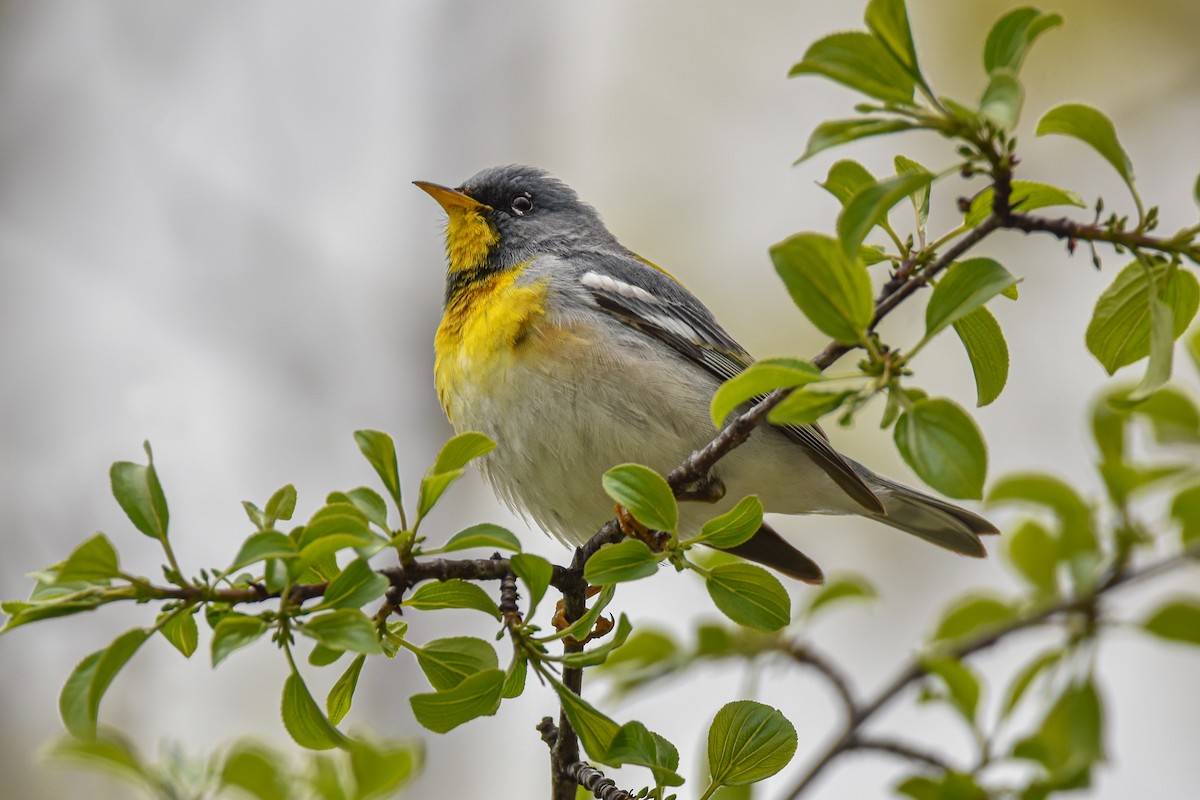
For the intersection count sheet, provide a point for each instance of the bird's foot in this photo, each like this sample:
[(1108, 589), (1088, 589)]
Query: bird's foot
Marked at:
[(561, 623), (709, 489), (655, 540)]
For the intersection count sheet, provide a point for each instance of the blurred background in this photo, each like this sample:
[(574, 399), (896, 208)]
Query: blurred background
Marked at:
[(208, 239)]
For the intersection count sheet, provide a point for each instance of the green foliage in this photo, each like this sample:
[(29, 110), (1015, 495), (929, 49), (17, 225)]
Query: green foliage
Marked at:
[(735, 526), (833, 291), (1121, 328), (748, 742), (749, 596), (757, 380), (645, 494), (943, 446), (627, 560)]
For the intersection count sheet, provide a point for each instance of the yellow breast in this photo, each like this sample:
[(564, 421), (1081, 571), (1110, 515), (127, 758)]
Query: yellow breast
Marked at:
[(486, 326)]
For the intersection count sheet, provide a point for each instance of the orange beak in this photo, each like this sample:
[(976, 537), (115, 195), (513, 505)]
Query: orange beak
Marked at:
[(451, 200)]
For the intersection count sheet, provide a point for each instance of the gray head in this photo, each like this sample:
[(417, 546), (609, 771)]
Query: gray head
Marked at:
[(503, 216)]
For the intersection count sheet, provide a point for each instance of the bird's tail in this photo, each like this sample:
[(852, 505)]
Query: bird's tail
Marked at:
[(929, 518)]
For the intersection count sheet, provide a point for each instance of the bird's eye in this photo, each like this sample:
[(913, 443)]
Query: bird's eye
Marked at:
[(522, 204)]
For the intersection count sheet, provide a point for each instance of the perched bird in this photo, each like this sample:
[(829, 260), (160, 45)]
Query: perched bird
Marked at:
[(575, 354)]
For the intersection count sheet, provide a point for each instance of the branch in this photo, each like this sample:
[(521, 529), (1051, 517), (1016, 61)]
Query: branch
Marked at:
[(850, 738), (804, 654), (901, 749)]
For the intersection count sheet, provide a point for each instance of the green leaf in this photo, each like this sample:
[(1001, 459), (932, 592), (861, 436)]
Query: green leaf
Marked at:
[(988, 352), (627, 560), (109, 752), (749, 742), (946, 786), (337, 519), (261, 546), (380, 451), (944, 447), (1172, 414), (281, 505), (888, 20), (1185, 508), (391, 638), (1070, 739), (380, 770), (962, 684), (537, 573), (1026, 196), (343, 629), (1033, 551), (79, 701), (337, 704), (94, 561), (1091, 127), (860, 61), (452, 594), (599, 654), (805, 407), (971, 615), (1074, 516), (580, 628), (1013, 34), (461, 450), (354, 586), (646, 495), (322, 656), (735, 526), (749, 596), (841, 131), (832, 291), (1025, 678), (257, 771), (596, 731), (920, 198), (847, 178), (871, 205), (840, 589), (484, 534), (1120, 329), (432, 487), (757, 380), (965, 287), (234, 632), (370, 503), (476, 696), (514, 677), (634, 743), (448, 662), (1002, 99), (303, 719), (180, 630), (1176, 621), (1162, 352), (140, 495)]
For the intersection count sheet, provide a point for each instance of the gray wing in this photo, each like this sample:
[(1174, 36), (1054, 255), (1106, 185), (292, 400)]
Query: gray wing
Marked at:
[(650, 301)]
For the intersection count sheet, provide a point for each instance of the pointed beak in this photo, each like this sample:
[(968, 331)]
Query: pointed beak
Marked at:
[(451, 200)]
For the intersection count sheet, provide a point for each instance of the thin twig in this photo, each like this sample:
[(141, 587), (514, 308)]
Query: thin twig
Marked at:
[(900, 749), (806, 655)]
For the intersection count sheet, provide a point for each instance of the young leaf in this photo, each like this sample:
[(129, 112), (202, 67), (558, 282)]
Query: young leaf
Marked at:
[(1033, 551), (343, 629), (452, 594), (1091, 127), (944, 447), (380, 451), (840, 131), (1162, 352), (180, 630), (860, 61), (261, 546), (514, 678), (140, 495), (337, 703), (599, 654), (634, 743), (735, 526), (354, 587), (94, 561), (537, 573), (962, 684), (1176, 621), (448, 662), (757, 380), (888, 20), (749, 596), (988, 352), (1074, 515), (833, 291), (596, 731), (303, 719), (109, 751), (871, 205), (622, 561), (965, 287), (1025, 678), (322, 656), (749, 742), (433, 486), (839, 590), (946, 786), (281, 505), (1071, 738), (1026, 196), (461, 450), (920, 198), (847, 178), (256, 770), (1013, 34), (484, 534), (234, 632), (970, 615), (370, 503), (380, 770), (476, 696), (79, 701), (805, 407), (645, 494), (1002, 99), (1120, 329), (1185, 508)]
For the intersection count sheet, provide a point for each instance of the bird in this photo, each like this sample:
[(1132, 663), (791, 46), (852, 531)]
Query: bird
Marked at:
[(575, 354)]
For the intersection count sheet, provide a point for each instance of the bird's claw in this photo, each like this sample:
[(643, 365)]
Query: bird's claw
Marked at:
[(655, 540)]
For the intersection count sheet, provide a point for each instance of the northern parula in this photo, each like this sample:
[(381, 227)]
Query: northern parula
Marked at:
[(575, 354)]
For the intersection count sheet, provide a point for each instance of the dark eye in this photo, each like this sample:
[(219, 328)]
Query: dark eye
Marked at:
[(522, 204)]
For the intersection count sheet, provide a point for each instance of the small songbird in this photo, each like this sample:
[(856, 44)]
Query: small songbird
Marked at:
[(575, 354)]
